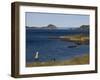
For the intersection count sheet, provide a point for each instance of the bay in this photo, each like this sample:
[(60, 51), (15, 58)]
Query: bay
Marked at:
[(38, 40)]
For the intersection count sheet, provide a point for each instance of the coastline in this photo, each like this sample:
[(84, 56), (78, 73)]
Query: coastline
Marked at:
[(78, 39), (77, 60)]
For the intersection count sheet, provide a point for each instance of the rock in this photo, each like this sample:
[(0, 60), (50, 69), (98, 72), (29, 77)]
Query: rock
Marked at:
[(50, 26)]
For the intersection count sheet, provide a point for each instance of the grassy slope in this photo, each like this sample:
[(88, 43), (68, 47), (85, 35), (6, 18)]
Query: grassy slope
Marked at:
[(74, 61)]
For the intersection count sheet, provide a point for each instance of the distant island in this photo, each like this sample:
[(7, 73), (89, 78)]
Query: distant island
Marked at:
[(84, 27), (52, 26)]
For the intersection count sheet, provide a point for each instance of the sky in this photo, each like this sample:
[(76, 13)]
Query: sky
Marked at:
[(59, 20)]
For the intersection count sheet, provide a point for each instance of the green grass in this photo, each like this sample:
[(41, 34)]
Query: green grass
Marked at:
[(84, 59)]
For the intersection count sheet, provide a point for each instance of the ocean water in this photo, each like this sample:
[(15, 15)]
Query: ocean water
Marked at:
[(37, 40)]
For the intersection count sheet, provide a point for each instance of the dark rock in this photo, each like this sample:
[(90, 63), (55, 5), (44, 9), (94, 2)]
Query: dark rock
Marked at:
[(50, 26)]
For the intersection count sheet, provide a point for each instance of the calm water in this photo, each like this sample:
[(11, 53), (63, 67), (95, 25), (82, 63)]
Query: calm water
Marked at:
[(49, 49)]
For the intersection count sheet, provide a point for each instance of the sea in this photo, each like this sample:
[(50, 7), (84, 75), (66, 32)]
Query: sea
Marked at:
[(38, 40)]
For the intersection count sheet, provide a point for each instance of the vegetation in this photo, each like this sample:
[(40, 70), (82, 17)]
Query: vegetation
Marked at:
[(78, 60), (84, 26), (82, 39)]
